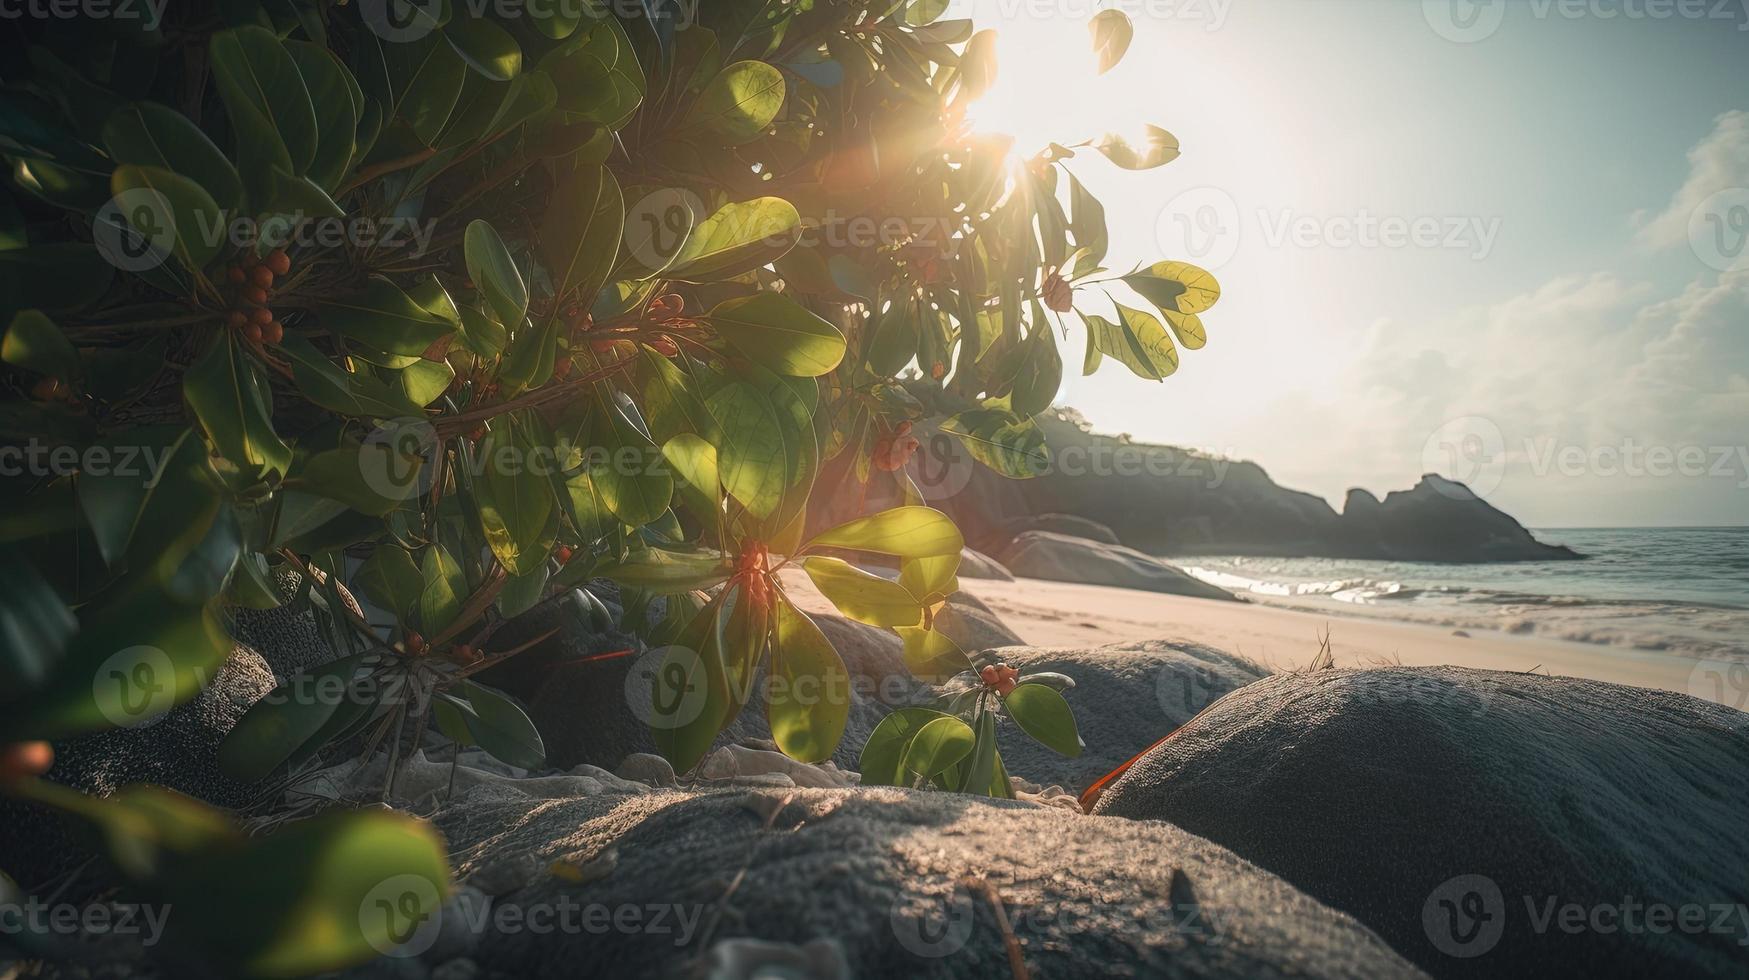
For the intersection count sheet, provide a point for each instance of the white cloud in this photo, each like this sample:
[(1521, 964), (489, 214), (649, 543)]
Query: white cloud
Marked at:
[(1718, 162)]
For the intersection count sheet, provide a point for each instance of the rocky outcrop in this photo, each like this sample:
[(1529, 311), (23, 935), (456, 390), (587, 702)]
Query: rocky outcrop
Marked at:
[(873, 883), (1167, 501), (1483, 823), (1060, 558), (1069, 524), (1126, 697)]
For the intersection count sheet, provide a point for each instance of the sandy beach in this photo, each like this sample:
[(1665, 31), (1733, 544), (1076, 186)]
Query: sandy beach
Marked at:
[(1062, 614)]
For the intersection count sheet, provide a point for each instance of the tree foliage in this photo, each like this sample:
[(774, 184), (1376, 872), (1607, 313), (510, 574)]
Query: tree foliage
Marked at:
[(469, 308)]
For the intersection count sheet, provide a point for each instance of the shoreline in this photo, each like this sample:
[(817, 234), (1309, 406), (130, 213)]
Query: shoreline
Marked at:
[(1063, 614)]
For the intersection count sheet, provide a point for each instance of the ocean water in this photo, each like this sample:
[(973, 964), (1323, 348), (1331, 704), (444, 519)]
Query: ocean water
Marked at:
[(1683, 591)]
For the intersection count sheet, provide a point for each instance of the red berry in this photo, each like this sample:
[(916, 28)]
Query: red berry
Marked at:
[(274, 332), (235, 274), (254, 332), (279, 262), (261, 317), (261, 276), (415, 643), (903, 428), (255, 296), (237, 319), (665, 346), (46, 389), (564, 554), (24, 759), (250, 260)]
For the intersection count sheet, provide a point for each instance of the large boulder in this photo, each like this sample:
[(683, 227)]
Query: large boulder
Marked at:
[(1484, 823), (287, 636), (873, 882), (1061, 558), (973, 625), (1069, 524), (1126, 697)]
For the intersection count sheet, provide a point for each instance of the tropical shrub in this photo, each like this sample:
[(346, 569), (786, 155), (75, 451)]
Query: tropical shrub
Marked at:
[(466, 305)]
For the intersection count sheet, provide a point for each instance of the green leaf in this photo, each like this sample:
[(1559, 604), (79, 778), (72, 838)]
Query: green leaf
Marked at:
[(299, 197), (922, 13), (523, 592), (267, 103), (35, 625), (809, 700), (737, 239), (695, 460), (669, 572), (632, 484), (1112, 33), (981, 766), (893, 339), (930, 580), (1087, 222), (440, 601), (148, 134), (335, 97), (360, 395), (772, 330), (495, 272), (580, 238), (424, 82), (883, 754), (172, 212), (689, 695), (862, 596), (424, 382), (937, 747), (486, 47), (905, 532), (230, 400), (515, 503), (1155, 147), (391, 579), (740, 102), (1138, 340), (482, 334), (532, 355), (1040, 372), (384, 318), (1008, 444), (500, 727), (358, 882), (752, 458), (34, 342), (932, 655), (374, 478), (1042, 713), (278, 725)]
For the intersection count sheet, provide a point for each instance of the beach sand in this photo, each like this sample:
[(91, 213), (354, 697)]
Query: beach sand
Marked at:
[(1062, 614)]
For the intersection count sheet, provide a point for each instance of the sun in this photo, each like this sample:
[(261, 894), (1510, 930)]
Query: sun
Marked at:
[(1048, 89)]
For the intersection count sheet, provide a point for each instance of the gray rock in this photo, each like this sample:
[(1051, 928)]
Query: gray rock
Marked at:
[(1061, 558), (894, 878), (576, 634), (976, 564), (1441, 520), (1126, 697), (287, 637), (1067, 524), (973, 625), (457, 969), (1451, 810), (646, 767)]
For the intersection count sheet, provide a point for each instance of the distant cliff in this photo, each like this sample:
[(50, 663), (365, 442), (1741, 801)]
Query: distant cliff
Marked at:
[(1168, 501)]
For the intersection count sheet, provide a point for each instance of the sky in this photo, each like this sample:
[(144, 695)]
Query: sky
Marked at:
[(1501, 241)]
